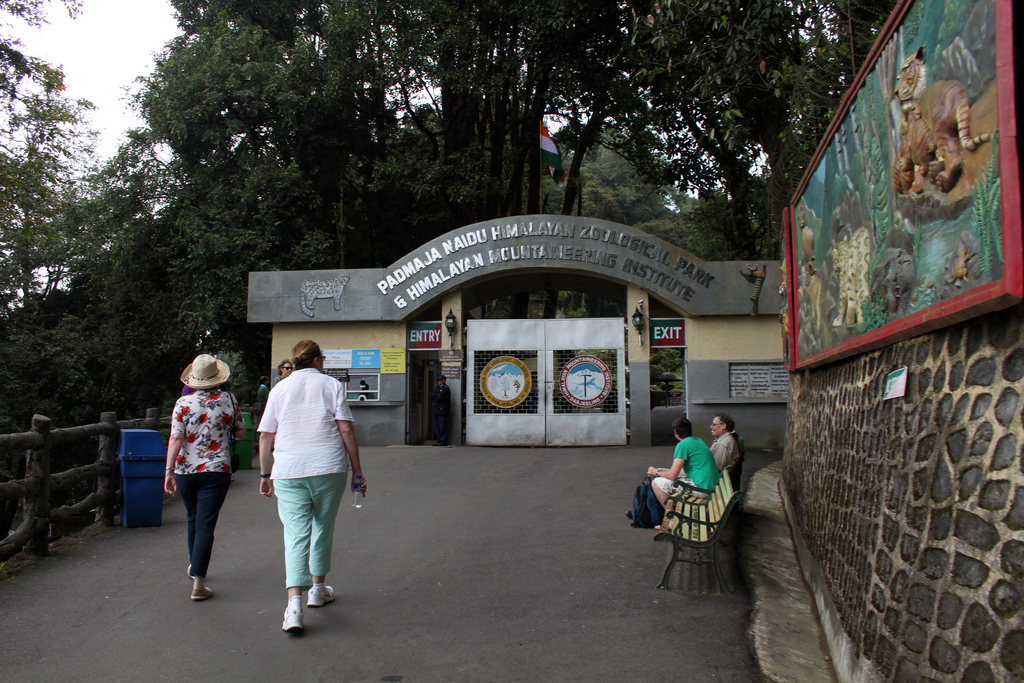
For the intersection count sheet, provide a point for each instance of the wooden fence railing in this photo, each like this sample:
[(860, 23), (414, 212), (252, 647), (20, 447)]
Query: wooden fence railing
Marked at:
[(34, 532)]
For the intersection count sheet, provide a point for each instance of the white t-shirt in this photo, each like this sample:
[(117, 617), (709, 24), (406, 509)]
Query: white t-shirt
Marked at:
[(302, 410)]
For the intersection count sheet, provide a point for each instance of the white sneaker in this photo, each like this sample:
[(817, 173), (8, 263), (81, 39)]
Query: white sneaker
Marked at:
[(319, 598), (292, 620)]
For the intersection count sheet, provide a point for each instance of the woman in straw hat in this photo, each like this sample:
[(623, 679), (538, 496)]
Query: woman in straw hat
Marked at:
[(199, 458), (309, 425)]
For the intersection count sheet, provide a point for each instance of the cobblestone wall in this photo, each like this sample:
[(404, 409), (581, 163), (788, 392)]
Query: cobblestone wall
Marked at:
[(914, 507)]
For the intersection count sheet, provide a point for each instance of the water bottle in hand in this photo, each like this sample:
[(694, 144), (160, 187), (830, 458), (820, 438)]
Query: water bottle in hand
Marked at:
[(357, 494)]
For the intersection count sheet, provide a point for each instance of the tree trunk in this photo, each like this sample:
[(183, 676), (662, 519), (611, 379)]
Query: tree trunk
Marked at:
[(550, 304), (520, 306), (588, 138), (340, 224)]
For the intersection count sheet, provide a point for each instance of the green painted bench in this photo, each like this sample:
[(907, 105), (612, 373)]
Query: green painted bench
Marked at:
[(695, 519)]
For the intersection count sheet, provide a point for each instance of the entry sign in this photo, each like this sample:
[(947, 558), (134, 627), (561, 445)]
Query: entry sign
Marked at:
[(667, 333), (423, 336)]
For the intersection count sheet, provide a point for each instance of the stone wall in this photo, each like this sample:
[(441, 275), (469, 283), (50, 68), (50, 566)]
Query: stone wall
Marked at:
[(913, 508)]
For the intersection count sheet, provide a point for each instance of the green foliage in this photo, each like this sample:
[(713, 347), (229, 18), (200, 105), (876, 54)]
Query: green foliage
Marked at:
[(613, 191), (874, 314), (718, 73), (911, 25), (667, 361), (987, 222), (15, 66), (746, 90), (954, 13), (45, 254), (879, 181), (918, 230)]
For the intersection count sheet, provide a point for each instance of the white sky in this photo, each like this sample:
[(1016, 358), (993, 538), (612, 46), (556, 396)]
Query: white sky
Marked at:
[(103, 50)]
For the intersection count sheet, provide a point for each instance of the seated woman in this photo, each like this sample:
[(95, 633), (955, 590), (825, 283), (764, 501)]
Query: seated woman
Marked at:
[(692, 463)]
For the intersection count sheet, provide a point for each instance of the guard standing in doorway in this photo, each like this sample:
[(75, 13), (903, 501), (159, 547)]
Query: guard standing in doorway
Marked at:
[(441, 397)]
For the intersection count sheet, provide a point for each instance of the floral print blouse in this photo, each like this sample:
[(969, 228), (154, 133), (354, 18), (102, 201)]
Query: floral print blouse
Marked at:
[(206, 419)]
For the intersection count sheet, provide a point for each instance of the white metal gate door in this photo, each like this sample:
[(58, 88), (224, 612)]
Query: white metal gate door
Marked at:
[(546, 382)]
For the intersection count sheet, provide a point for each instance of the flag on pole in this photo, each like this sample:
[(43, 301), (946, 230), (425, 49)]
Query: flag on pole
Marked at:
[(549, 155)]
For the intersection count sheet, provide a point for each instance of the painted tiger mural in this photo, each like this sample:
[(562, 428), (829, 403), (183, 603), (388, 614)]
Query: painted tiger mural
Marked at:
[(936, 128)]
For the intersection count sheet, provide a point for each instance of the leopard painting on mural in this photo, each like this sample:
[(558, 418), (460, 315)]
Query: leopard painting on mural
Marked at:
[(850, 258), (321, 289)]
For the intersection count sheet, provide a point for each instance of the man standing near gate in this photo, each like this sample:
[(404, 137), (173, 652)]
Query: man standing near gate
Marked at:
[(441, 397)]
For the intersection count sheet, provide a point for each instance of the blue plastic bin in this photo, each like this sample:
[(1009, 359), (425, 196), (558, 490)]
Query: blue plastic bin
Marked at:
[(143, 457)]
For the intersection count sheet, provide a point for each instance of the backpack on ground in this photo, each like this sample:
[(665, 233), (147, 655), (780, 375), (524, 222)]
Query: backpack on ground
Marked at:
[(647, 509)]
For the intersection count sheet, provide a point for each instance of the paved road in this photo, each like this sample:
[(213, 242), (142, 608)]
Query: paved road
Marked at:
[(465, 564)]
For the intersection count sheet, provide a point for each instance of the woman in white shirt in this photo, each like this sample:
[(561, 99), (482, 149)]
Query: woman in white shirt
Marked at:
[(307, 446)]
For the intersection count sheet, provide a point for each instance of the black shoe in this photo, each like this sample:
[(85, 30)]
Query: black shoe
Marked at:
[(629, 514)]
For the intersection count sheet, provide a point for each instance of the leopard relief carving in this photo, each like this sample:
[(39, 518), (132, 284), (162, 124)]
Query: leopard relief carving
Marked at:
[(321, 289), (850, 259), (936, 128)]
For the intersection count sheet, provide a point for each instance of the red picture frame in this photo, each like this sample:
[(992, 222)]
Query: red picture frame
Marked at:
[(816, 287)]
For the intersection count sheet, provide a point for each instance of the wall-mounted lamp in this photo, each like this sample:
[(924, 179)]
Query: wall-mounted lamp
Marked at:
[(449, 324), (638, 322)]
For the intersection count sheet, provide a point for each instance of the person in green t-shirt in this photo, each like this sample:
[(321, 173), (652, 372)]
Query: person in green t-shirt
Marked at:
[(692, 463), (261, 399)]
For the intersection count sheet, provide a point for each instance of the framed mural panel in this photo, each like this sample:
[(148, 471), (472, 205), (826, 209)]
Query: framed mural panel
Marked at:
[(909, 217)]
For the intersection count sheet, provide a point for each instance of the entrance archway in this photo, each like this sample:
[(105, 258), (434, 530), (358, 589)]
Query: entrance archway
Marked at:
[(364, 316)]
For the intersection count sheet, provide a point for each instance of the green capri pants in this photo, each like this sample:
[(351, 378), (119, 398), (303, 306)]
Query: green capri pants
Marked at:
[(308, 508)]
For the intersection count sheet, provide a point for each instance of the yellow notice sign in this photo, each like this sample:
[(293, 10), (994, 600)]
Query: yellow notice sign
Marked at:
[(392, 361)]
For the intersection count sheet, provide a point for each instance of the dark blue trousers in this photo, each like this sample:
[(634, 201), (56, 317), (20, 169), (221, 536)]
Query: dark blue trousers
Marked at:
[(441, 429), (203, 495)]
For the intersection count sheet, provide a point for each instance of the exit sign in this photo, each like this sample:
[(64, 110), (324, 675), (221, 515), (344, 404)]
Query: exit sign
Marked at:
[(668, 333)]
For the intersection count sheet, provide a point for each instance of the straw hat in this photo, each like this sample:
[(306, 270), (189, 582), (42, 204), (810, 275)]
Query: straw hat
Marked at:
[(205, 372)]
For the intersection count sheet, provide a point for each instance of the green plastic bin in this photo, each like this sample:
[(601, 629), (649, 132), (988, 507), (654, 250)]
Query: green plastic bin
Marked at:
[(243, 447)]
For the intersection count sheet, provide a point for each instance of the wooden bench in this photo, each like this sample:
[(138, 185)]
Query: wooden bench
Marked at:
[(695, 519)]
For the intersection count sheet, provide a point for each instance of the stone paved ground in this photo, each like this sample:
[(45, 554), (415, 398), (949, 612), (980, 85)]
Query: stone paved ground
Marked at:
[(466, 564)]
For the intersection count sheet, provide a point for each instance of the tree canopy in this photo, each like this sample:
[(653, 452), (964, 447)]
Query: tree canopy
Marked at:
[(295, 135)]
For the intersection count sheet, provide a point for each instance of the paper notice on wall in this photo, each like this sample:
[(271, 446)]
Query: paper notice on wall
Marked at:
[(392, 361), (758, 380), (451, 363), (895, 384)]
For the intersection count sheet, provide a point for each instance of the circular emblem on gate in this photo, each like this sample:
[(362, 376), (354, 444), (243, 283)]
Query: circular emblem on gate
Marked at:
[(505, 381), (585, 381)]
